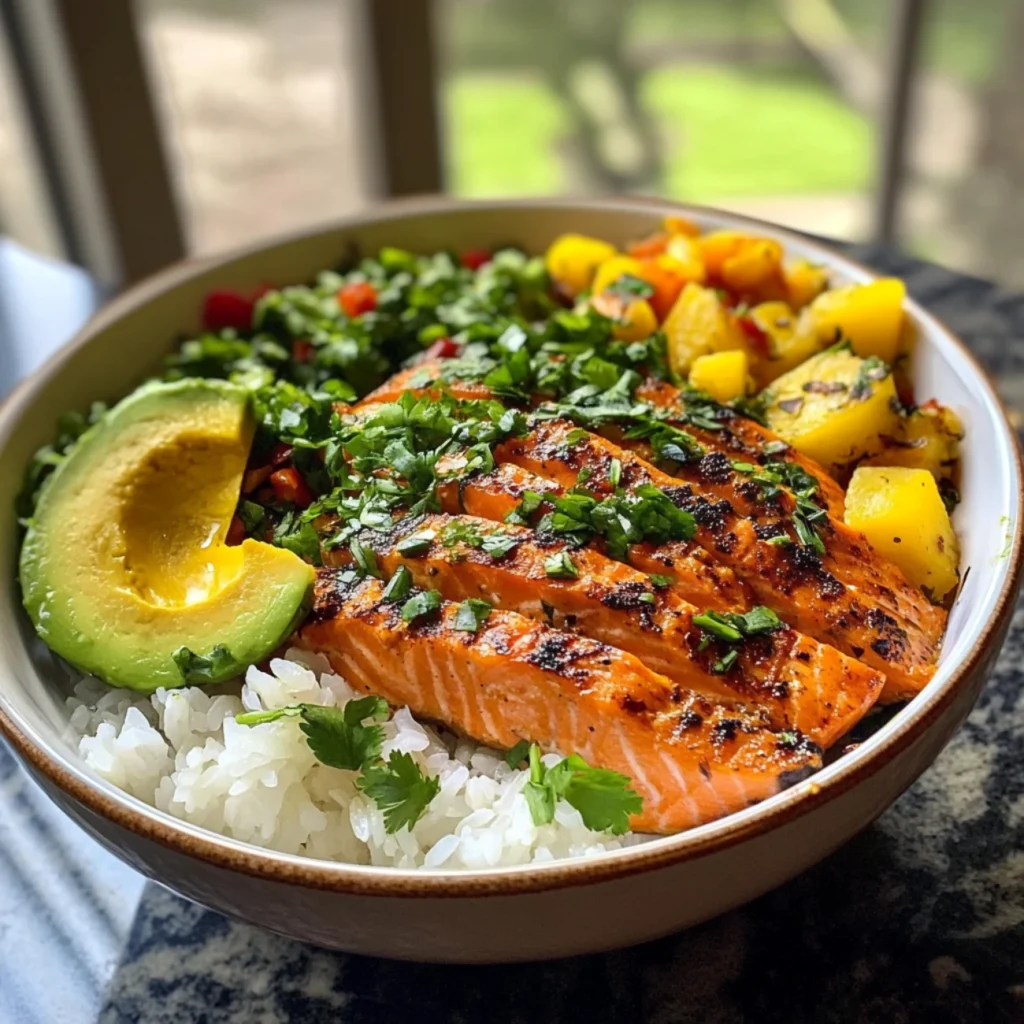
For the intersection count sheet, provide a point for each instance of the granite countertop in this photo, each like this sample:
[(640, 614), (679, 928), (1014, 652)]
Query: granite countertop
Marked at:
[(920, 918)]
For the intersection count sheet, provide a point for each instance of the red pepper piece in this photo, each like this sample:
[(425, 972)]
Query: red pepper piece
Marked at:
[(474, 259), (443, 348), (289, 486), (357, 298), (225, 308)]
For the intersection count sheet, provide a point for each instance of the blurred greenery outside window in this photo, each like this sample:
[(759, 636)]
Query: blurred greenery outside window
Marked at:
[(764, 106)]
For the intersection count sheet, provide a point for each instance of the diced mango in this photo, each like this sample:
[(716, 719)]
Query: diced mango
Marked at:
[(869, 315), (572, 261), (834, 407), (718, 246), (929, 438), (723, 375), (685, 254), (805, 281), (612, 269), (755, 269), (791, 339), (634, 319), (681, 226), (901, 513), (698, 324)]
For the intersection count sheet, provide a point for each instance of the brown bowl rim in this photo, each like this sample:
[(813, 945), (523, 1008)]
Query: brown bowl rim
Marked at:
[(234, 855)]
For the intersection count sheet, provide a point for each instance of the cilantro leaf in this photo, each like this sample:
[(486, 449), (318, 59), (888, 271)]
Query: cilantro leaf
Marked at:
[(398, 586), (560, 566), (337, 736), (630, 287), (219, 664), (604, 798), (426, 602), (498, 544), (472, 614), (400, 789), (415, 544), (518, 754)]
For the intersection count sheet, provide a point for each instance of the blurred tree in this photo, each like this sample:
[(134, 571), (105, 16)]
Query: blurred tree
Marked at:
[(581, 51), (987, 202)]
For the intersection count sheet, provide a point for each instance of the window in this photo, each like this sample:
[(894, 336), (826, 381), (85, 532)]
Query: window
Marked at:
[(257, 102)]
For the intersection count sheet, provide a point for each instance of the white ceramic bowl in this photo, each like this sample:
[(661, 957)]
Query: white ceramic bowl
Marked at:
[(518, 913)]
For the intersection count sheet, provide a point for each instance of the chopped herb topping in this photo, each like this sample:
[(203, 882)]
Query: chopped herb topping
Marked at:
[(398, 586), (400, 789), (605, 799), (426, 602), (561, 567), (472, 614)]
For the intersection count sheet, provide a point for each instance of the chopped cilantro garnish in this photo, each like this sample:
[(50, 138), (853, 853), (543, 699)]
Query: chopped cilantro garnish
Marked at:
[(426, 602), (629, 287), (205, 668), (415, 544), (615, 472), (364, 557), (528, 504), (518, 754), (472, 614), (338, 737), (560, 566), (604, 798), (400, 789), (398, 586), (498, 544), (660, 581), (733, 628)]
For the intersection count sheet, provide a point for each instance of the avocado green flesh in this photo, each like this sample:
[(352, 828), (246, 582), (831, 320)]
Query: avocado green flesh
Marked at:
[(124, 562)]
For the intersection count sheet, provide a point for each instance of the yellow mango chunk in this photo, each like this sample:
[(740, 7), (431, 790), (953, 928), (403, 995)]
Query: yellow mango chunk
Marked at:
[(929, 438), (791, 339), (870, 316), (754, 269), (718, 246), (723, 375), (697, 325), (683, 257), (900, 512), (634, 319), (572, 261), (681, 226), (611, 270), (834, 407), (805, 281)]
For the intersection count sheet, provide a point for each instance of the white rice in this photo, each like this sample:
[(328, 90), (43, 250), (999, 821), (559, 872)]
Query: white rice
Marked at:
[(183, 752)]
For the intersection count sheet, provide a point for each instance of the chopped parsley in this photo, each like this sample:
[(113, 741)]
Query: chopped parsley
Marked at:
[(733, 628), (398, 586), (415, 544)]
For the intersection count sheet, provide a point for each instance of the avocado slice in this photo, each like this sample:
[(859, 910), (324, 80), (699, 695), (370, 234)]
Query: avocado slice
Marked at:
[(124, 570)]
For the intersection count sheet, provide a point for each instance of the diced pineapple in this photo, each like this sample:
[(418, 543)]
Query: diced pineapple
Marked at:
[(723, 375), (686, 259), (572, 261), (718, 246), (870, 316), (634, 318), (612, 269), (681, 226), (755, 269), (929, 438), (901, 513), (805, 281), (698, 324), (834, 407), (791, 339)]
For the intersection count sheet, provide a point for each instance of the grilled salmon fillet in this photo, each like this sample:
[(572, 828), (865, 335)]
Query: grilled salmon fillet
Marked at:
[(738, 439), (696, 576), (516, 679), (799, 683), (741, 439), (850, 597)]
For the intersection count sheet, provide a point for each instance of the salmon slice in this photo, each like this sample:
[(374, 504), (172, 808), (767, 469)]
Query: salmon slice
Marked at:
[(696, 576), (742, 439), (799, 683), (515, 679), (739, 439), (849, 597)]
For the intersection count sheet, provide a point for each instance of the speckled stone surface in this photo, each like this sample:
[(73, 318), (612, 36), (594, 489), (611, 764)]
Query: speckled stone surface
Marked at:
[(919, 919)]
